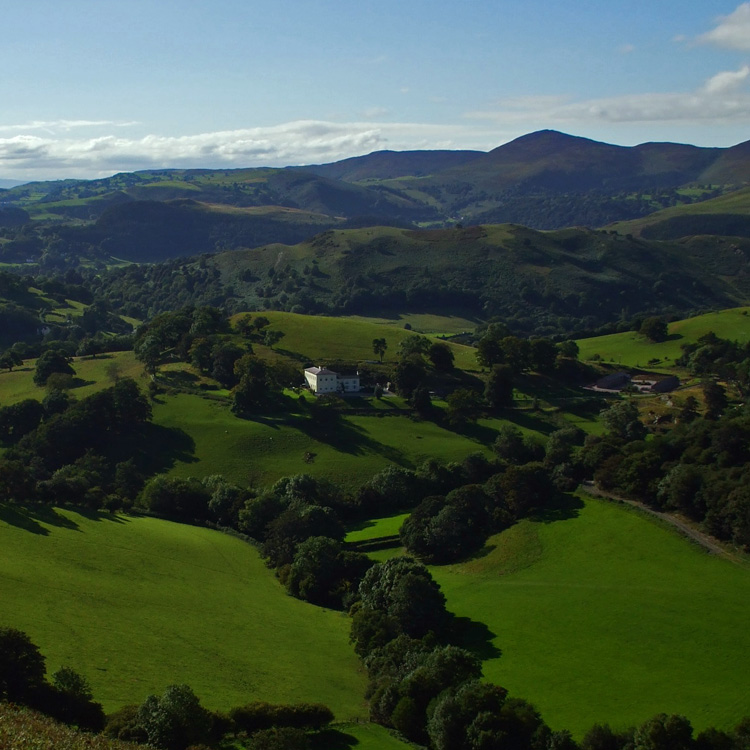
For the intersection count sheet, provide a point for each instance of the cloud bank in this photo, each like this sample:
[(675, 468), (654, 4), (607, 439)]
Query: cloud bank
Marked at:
[(732, 31), (33, 156)]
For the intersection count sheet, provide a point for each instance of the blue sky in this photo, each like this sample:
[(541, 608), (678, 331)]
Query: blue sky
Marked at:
[(94, 87)]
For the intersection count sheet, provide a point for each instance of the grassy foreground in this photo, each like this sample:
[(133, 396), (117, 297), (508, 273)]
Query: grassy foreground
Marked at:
[(606, 616), (136, 604)]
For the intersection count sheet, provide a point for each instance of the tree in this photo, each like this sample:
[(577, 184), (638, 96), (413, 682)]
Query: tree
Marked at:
[(408, 374), (379, 346), (543, 355), (499, 389), (414, 344), (148, 350), (271, 338), (53, 360), (654, 329), (441, 356), (621, 420), (715, 397), (464, 405), (174, 720), (9, 360), (568, 349), (21, 666), (404, 591)]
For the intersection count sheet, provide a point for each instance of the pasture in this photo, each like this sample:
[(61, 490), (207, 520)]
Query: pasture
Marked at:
[(136, 604), (598, 614), (634, 350), (260, 451), (318, 337)]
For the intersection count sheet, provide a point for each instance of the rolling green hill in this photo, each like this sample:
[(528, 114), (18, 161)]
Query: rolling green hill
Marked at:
[(136, 604), (605, 616), (634, 350)]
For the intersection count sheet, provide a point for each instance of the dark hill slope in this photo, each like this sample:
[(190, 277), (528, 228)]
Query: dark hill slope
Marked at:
[(387, 165), (548, 282), (555, 161)]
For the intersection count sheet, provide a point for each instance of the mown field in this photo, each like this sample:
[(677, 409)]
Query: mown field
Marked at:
[(136, 604), (633, 350), (598, 614)]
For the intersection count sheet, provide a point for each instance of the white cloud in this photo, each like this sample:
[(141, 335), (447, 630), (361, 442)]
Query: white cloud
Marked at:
[(720, 99), (726, 81), (732, 31), (29, 156), (626, 49)]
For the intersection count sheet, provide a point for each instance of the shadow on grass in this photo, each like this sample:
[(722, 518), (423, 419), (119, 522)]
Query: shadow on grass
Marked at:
[(563, 508), (98, 515), (31, 517), (475, 637), (345, 437), (333, 739), (157, 449)]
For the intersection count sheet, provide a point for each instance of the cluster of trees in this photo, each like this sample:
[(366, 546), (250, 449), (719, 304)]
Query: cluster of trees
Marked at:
[(23, 680), (700, 468), (63, 451), (176, 720), (420, 684), (712, 357)]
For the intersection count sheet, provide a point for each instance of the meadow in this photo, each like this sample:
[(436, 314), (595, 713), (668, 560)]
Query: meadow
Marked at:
[(599, 614), (137, 603), (634, 350), (317, 337)]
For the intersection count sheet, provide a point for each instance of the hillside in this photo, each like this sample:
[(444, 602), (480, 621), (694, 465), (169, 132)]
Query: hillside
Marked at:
[(727, 215), (538, 282), (604, 615), (544, 180), (141, 603)]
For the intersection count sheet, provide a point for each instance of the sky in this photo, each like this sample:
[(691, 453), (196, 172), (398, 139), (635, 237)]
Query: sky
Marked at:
[(90, 88)]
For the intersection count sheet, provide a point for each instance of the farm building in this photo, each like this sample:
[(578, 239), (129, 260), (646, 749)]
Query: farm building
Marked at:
[(320, 380)]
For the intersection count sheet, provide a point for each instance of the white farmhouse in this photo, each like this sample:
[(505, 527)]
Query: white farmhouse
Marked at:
[(320, 380)]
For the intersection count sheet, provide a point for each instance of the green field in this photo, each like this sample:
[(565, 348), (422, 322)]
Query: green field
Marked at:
[(319, 337), (92, 374), (261, 451), (136, 604), (633, 350), (376, 528), (607, 616)]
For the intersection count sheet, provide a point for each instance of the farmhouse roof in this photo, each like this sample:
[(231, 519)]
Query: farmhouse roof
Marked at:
[(319, 371)]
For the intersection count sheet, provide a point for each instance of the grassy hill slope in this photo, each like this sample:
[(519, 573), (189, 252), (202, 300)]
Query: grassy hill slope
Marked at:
[(634, 350), (136, 604), (605, 616), (725, 215)]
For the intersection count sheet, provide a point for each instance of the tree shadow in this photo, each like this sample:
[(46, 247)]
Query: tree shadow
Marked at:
[(483, 551), (345, 437), (475, 637), (98, 515), (31, 517), (333, 739), (562, 508), (159, 448)]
